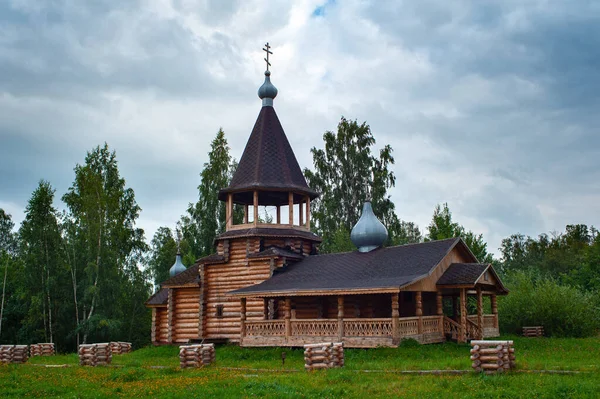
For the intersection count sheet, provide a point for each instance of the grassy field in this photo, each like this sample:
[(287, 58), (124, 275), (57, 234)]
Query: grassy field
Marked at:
[(242, 372)]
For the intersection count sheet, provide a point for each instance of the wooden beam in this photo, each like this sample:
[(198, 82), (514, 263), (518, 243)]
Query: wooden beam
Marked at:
[(291, 207), (494, 309), (242, 317), (395, 318), (228, 213), (300, 214), (480, 312), (463, 316), (419, 311), (439, 303), (278, 214), (246, 214), (308, 212), (288, 316), (154, 326), (255, 202), (170, 306), (340, 301), (266, 308)]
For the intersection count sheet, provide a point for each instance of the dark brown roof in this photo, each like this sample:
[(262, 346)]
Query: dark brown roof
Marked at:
[(383, 268), (270, 232), (159, 298), (268, 163), (190, 276), (276, 251), (462, 274)]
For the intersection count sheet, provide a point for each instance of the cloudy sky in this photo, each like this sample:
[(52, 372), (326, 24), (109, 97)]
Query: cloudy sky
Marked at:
[(492, 106)]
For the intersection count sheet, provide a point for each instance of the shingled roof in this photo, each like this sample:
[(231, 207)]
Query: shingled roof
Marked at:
[(268, 163), (462, 274), (270, 232), (381, 269), (159, 298)]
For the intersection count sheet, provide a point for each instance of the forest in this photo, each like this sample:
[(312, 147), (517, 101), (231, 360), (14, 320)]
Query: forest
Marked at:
[(78, 269)]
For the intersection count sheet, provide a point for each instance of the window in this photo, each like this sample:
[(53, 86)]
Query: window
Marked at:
[(486, 276), (219, 309)]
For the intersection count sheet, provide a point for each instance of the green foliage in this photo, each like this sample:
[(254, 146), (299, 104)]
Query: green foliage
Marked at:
[(563, 311), (347, 174), (105, 249), (162, 254), (206, 218), (442, 226)]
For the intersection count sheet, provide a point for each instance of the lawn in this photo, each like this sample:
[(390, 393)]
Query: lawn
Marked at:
[(258, 372)]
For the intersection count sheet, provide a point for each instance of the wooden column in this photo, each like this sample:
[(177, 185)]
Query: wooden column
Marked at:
[(265, 308), (494, 309), (291, 207), (395, 318), (419, 311), (308, 212), (440, 310), (480, 311), (255, 202), (228, 212), (246, 214), (154, 326), (230, 209), (463, 316), (242, 317), (340, 300), (170, 315), (278, 214), (201, 302), (288, 316), (300, 214)]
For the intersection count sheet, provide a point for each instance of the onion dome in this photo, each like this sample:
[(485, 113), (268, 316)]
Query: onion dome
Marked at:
[(369, 233), (267, 92), (177, 267)]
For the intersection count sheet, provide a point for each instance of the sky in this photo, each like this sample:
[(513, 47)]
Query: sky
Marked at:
[(490, 106)]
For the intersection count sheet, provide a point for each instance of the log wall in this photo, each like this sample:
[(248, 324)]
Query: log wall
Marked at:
[(161, 326), (185, 319)]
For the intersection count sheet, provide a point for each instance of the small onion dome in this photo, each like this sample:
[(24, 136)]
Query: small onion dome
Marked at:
[(369, 233), (267, 92), (177, 267)]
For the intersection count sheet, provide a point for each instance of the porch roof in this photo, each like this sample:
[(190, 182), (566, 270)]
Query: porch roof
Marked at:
[(159, 298), (468, 275), (384, 270)]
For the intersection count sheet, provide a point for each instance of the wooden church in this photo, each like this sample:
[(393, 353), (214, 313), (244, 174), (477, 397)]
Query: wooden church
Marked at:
[(266, 285)]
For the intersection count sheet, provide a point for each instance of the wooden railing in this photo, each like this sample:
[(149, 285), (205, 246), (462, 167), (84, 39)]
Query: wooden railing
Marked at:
[(408, 326), (368, 327), (473, 330), (315, 327), (431, 324), (451, 327), (488, 320), (265, 328)]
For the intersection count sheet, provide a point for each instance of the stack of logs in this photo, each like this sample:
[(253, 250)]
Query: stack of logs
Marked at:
[(119, 348), (324, 355), (537, 331), (492, 357), (46, 349), (95, 354), (13, 353), (196, 355)]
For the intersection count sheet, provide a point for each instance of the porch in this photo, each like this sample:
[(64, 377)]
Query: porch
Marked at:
[(295, 321)]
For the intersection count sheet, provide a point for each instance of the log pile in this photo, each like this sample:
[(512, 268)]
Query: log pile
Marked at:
[(119, 348), (492, 357), (537, 331), (95, 354), (13, 353), (323, 355), (45, 349), (196, 355)]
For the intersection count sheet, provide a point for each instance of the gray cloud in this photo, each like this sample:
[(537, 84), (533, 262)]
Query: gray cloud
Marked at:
[(490, 106)]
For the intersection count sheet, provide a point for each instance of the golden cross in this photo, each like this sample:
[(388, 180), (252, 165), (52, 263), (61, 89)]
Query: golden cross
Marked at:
[(266, 49)]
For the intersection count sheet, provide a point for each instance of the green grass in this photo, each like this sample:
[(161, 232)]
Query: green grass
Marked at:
[(135, 377)]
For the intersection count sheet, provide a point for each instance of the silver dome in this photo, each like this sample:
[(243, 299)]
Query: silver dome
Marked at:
[(369, 233), (267, 92), (177, 267)]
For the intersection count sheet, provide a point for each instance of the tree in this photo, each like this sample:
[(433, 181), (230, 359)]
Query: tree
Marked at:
[(442, 226), (40, 251), (206, 218), (107, 247), (162, 255), (7, 242), (347, 174)]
